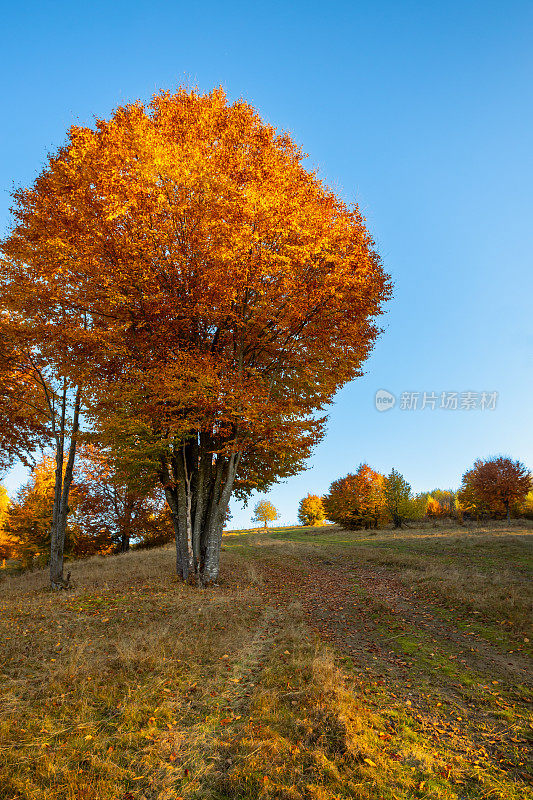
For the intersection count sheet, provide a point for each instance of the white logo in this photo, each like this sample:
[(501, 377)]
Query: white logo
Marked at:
[(384, 400)]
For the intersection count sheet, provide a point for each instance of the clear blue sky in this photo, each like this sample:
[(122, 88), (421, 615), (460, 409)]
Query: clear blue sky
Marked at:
[(420, 112)]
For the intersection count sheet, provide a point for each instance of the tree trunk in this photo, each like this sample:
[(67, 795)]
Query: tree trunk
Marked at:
[(63, 483), (172, 500), (56, 545), (198, 483), (507, 508), (126, 517)]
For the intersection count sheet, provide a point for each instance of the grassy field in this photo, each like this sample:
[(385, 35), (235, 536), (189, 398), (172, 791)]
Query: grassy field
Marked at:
[(327, 664)]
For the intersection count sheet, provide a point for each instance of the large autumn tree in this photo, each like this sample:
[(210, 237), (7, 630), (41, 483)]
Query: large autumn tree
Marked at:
[(213, 293)]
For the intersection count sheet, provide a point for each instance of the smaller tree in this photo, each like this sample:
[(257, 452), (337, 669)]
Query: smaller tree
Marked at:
[(446, 500), (39, 406), (433, 508), (29, 520), (356, 501), (470, 501), (397, 495), (526, 509), (6, 543), (417, 507), (311, 510), (440, 503), (496, 484), (29, 517), (108, 502), (265, 512)]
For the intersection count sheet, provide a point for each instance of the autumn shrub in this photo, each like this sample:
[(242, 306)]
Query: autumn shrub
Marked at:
[(156, 532)]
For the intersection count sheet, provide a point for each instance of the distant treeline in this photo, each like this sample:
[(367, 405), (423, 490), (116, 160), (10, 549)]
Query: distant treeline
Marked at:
[(493, 488)]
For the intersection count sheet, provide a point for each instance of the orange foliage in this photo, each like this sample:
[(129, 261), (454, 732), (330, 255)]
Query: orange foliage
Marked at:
[(434, 508), (109, 507), (357, 500), (29, 520), (311, 510), (494, 486), (24, 415)]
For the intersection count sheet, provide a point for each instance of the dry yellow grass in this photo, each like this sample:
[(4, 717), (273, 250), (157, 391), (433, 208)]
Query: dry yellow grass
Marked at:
[(100, 684), (135, 687)]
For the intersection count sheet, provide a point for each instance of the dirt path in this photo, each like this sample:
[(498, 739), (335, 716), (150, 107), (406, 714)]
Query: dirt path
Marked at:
[(455, 685), (339, 599), (474, 651)]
